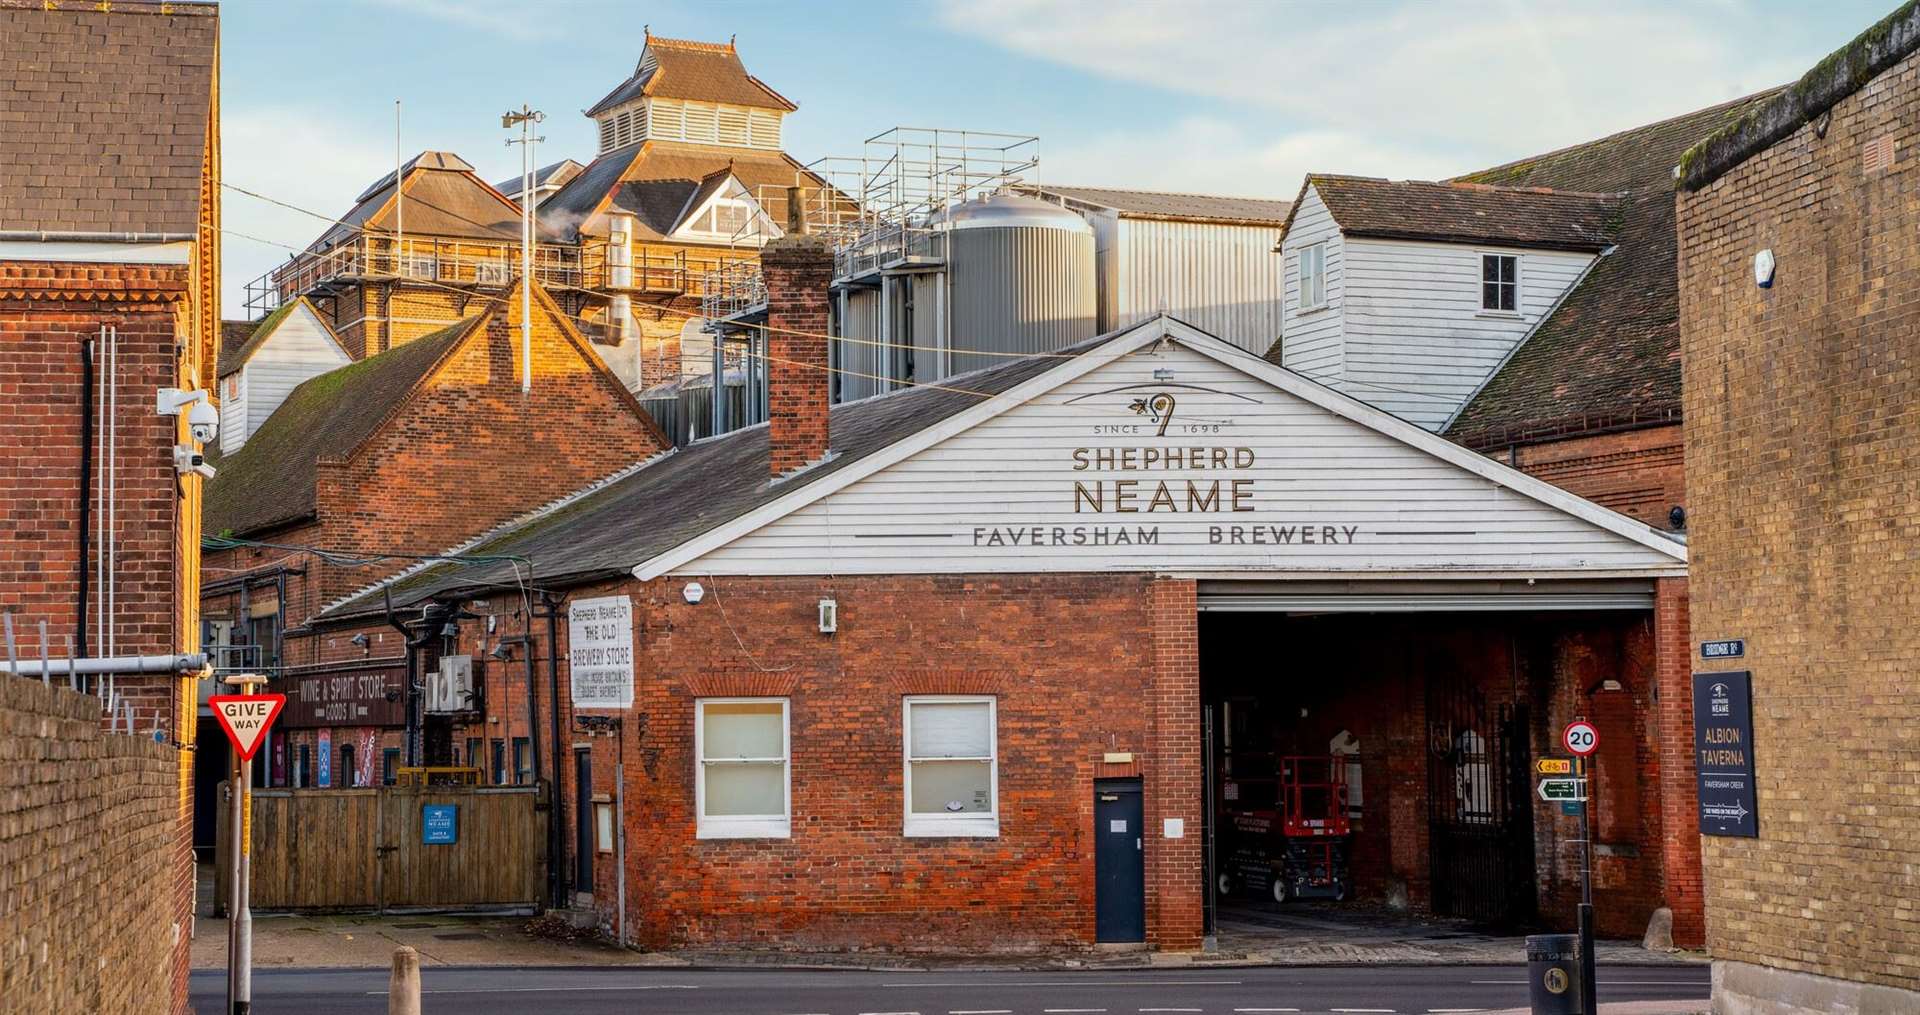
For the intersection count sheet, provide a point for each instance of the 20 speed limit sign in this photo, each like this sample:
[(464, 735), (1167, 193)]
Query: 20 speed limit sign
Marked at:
[(1580, 737)]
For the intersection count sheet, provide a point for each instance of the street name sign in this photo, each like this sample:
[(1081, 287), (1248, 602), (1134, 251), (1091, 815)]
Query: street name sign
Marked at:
[(246, 717), (1580, 737), (1554, 766), (1723, 753), (1732, 648), (1563, 789)]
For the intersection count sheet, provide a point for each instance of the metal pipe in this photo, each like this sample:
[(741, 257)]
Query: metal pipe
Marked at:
[(113, 488), (86, 488), (191, 662), (556, 814), (83, 236)]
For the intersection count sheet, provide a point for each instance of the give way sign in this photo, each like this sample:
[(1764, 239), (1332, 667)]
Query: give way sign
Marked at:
[(246, 717)]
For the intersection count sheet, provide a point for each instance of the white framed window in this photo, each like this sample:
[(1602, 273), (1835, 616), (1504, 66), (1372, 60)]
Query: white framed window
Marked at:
[(952, 765), (742, 782), (1313, 276), (1500, 283)]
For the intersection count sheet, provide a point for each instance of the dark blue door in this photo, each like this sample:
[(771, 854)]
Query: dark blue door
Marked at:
[(1119, 862)]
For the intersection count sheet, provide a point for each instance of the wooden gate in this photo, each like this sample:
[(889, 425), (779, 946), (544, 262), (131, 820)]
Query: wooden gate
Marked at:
[(339, 849)]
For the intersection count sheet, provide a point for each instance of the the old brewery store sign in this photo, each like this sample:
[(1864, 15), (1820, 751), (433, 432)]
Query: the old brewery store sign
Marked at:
[(1167, 449)]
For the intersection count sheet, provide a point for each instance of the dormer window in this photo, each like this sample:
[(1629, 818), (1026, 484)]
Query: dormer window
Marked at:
[(1313, 276), (1500, 283)]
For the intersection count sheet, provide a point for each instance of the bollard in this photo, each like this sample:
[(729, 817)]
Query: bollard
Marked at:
[(1553, 975), (403, 987)]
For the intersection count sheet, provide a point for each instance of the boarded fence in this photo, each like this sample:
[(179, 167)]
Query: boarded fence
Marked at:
[(360, 849)]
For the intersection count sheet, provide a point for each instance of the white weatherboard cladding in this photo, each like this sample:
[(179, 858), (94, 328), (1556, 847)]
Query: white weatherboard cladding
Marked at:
[(233, 412), (1417, 342), (1325, 493), (1310, 342), (299, 349), (1223, 279)]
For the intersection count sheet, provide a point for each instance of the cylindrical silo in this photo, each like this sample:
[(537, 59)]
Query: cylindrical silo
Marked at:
[(1020, 278)]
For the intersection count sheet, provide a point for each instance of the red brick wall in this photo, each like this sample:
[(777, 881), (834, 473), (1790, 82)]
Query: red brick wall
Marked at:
[(797, 272), (48, 311), (1079, 667), (1639, 473), (1803, 440), (412, 486)]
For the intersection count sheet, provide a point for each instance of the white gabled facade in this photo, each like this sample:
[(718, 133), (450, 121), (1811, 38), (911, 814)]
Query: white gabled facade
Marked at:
[(1256, 471), (1402, 326), (299, 347)]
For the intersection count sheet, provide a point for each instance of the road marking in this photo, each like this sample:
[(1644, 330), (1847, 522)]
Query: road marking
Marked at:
[(544, 990), (1069, 1011), (981, 1011), (1074, 983), (1453, 1011), (1170, 1009), (889, 1013), (1265, 1009), (1363, 1011)]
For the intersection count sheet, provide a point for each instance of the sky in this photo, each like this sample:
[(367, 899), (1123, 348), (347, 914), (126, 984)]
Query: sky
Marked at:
[(1207, 96)]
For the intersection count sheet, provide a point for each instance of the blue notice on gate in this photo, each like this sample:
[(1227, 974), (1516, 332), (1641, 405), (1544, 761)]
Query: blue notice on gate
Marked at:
[(439, 824), (1723, 753)]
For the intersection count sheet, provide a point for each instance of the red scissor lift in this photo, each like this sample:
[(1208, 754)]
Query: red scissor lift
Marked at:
[(1294, 844)]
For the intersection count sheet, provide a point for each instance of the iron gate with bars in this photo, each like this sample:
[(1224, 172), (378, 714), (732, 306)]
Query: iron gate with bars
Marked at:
[(1480, 817)]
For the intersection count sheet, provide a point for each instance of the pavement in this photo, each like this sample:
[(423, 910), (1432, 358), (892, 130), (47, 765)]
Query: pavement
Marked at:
[(1676, 990), (1299, 934)]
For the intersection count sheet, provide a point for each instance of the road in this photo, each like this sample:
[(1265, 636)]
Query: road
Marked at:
[(1227, 991)]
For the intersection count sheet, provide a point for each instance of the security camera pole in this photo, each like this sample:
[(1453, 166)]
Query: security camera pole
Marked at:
[(245, 717)]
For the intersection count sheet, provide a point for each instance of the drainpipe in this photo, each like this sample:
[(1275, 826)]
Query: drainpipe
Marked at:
[(557, 813), (413, 680), (86, 490)]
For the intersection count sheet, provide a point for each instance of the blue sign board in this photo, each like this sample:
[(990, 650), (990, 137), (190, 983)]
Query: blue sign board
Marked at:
[(1732, 648), (439, 824), (1723, 753)]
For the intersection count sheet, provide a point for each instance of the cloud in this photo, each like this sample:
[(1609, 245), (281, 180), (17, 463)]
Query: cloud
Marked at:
[(300, 156), (1486, 76), (1215, 156)]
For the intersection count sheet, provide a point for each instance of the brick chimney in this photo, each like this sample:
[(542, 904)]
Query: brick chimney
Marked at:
[(798, 269)]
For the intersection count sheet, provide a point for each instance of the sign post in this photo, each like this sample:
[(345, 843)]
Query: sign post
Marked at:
[(245, 717), (1581, 739)]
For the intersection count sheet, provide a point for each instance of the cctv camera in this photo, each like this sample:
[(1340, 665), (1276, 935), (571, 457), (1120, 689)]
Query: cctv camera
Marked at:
[(204, 421)]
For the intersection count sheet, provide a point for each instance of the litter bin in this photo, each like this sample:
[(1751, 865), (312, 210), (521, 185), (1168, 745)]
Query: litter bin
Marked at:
[(1553, 974)]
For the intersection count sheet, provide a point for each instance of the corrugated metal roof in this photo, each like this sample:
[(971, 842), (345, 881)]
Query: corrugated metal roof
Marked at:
[(1173, 205)]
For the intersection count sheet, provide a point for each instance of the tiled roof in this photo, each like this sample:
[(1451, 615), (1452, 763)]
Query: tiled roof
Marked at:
[(1609, 356), (701, 71), (1844, 71), (443, 198), (1630, 160), (558, 174), (700, 487), (269, 482), (1170, 205), (657, 180), (233, 335), (105, 117), (1466, 212)]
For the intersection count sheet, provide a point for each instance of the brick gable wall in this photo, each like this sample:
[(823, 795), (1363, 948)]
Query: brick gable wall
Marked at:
[(470, 451), (1803, 447)]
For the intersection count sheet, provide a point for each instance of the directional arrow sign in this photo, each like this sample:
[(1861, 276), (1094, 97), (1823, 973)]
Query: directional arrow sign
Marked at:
[(246, 717), (1563, 789), (1554, 766)]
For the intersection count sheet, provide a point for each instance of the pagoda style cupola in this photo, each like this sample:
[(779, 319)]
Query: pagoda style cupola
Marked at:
[(696, 92)]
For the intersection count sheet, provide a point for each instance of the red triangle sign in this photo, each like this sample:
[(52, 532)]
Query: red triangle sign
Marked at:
[(246, 717)]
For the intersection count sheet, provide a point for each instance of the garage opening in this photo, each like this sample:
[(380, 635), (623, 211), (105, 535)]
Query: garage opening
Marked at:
[(1371, 762)]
